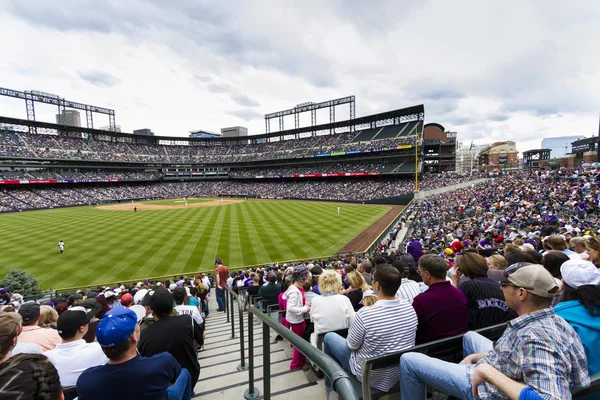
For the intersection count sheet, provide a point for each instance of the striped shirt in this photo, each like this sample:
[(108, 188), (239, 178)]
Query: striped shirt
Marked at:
[(540, 350), (408, 290), (486, 303), (386, 327)]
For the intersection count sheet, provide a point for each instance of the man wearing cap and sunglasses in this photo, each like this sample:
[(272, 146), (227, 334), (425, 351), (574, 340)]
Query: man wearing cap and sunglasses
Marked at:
[(74, 355), (128, 375), (538, 348)]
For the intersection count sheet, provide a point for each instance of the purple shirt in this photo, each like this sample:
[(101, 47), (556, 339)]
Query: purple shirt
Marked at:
[(442, 312), (415, 249)]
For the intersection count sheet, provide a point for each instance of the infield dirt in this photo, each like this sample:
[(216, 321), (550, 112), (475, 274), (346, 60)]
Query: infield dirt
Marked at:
[(145, 206)]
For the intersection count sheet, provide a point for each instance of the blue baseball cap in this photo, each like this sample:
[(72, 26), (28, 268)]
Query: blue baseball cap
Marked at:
[(116, 326), (218, 261)]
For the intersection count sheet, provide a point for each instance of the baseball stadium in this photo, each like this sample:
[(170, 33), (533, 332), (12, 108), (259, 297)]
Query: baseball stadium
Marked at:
[(340, 260)]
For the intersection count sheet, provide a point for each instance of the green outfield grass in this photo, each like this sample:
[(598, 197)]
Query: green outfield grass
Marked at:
[(108, 246)]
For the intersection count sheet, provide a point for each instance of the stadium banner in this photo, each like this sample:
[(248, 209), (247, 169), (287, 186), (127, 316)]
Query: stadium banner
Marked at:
[(404, 146), (338, 153), (337, 174), (354, 152), (322, 155), (46, 181)]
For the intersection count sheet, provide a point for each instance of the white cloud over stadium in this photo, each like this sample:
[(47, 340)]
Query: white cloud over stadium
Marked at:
[(488, 70)]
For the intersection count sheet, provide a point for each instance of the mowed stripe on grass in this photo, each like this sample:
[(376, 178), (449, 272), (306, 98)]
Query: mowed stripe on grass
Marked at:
[(108, 246)]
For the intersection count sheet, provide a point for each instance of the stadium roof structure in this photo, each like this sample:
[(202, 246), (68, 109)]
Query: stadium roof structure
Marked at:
[(388, 118)]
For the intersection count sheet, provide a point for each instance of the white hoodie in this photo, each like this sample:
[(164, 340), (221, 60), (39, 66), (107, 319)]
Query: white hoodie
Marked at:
[(295, 311)]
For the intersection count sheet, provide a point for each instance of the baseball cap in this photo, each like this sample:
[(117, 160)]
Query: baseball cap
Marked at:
[(61, 307), (139, 296), (9, 323), (70, 320), (108, 294), (367, 293), (218, 261), (577, 273), (91, 307), (158, 300), (29, 312), (126, 299), (531, 277), (300, 273), (116, 326)]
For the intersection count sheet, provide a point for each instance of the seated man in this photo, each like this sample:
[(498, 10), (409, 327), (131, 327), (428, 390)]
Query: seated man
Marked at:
[(388, 326), (173, 334), (46, 338), (442, 310), (537, 348), (74, 355), (126, 373)]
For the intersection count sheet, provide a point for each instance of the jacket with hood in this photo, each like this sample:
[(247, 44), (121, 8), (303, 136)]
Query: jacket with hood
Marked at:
[(587, 327), (295, 305)]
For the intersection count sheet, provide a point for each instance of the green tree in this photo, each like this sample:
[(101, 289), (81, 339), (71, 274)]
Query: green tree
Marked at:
[(21, 282)]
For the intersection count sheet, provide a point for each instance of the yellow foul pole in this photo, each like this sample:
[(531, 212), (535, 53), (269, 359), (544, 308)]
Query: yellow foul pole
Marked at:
[(417, 160)]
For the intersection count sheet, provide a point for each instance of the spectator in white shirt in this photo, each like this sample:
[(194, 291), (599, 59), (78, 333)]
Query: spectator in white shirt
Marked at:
[(179, 295), (408, 289), (74, 355), (331, 311)]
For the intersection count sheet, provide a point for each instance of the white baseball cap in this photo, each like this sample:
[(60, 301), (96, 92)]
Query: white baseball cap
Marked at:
[(139, 295), (108, 294), (577, 273)]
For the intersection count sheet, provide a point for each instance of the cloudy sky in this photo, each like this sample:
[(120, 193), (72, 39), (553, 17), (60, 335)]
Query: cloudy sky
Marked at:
[(490, 70)]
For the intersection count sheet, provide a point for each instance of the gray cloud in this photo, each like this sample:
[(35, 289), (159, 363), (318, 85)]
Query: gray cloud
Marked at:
[(247, 114), (243, 100), (97, 78)]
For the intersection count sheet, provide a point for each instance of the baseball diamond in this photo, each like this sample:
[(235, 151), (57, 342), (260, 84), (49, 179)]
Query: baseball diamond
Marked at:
[(104, 244)]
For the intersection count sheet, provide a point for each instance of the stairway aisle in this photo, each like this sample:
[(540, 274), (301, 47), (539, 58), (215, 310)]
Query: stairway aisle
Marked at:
[(219, 377)]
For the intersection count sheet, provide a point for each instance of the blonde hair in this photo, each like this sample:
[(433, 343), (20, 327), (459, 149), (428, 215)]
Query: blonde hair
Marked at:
[(518, 242), (48, 316), (330, 281), (497, 261), (357, 281), (369, 301)]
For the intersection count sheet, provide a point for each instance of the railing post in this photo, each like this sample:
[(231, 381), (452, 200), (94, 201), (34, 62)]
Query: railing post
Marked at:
[(226, 302), (232, 319), (242, 366), (251, 392), (266, 362)]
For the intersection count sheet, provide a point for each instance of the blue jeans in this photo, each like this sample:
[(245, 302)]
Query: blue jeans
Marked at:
[(182, 388), (418, 370), (335, 347), (220, 293), (473, 343)]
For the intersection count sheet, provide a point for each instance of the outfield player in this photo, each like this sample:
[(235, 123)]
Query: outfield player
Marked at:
[(61, 246), (338, 210)]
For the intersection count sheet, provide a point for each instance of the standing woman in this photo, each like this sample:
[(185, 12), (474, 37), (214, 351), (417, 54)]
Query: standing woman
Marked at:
[(295, 310)]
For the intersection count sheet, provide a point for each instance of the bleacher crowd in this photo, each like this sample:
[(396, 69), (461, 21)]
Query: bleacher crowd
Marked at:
[(348, 189), (27, 145), (522, 251)]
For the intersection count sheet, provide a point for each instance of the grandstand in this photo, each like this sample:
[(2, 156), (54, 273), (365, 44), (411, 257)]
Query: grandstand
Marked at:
[(369, 152)]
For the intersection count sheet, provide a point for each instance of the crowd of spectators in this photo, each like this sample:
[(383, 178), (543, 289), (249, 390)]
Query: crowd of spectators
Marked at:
[(523, 250), (99, 175), (347, 189), (27, 145)]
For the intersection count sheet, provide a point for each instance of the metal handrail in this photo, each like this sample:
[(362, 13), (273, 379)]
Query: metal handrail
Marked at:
[(340, 379), (232, 295)]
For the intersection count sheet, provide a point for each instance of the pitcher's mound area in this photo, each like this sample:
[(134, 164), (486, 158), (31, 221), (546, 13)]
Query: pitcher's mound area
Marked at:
[(169, 204)]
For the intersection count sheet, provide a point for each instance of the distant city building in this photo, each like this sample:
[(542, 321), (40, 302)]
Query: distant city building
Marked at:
[(107, 128), (499, 155), (201, 133), (466, 156), (439, 148), (234, 131), (69, 117), (560, 146), (143, 132)]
